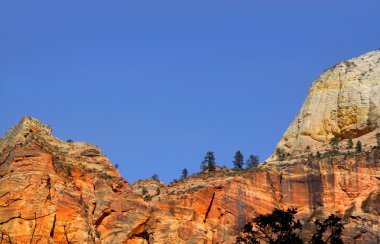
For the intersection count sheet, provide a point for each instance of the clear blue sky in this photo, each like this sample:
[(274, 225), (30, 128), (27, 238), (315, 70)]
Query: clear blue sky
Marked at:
[(156, 84)]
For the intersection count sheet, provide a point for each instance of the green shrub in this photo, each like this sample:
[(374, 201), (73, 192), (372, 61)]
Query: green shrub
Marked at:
[(105, 176), (97, 233), (68, 169), (148, 198), (281, 154)]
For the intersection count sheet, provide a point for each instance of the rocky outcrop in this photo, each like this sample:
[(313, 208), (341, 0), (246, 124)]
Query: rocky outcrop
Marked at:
[(344, 102), (148, 188), (53, 191), (212, 208)]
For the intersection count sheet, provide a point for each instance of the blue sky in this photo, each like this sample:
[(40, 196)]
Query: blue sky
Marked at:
[(157, 84)]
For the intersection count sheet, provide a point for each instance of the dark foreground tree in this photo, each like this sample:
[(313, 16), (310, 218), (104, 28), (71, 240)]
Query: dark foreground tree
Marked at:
[(252, 162), (276, 227), (209, 162), (335, 227), (281, 227), (239, 160)]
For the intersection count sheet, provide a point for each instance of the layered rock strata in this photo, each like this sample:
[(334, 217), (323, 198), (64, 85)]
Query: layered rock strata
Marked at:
[(53, 191), (344, 102)]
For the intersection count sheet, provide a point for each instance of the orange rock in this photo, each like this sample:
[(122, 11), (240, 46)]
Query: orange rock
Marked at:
[(52, 191), (218, 207)]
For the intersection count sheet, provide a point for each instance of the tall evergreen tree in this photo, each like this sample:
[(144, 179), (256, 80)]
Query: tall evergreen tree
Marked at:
[(184, 174), (252, 162), (155, 177), (358, 146), (203, 165), (350, 144), (209, 162), (239, 160), (334, 142)]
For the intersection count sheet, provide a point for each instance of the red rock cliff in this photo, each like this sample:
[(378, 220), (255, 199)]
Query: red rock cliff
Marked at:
[(53, 191)]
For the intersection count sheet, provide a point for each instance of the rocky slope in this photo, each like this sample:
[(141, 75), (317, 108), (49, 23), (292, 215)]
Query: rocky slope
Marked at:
[(53, 191), (344, 102), (148, 188), (212, 208)]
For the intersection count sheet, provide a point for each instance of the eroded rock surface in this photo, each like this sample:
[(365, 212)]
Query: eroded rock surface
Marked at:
[(344, 102), (148, 188), (212, 208), (53, 191)]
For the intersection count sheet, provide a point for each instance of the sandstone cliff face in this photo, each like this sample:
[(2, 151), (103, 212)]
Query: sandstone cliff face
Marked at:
[(213, 208), (148, 188), (344, 102), (57, 192), (52, 191)]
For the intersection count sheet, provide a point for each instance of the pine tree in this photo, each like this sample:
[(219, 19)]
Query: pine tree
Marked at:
[(252, 162), (358, 146), (155, 177), (203, 165), (239, 160), (350, 144), (209, 162), (184, 174), (334, 142)]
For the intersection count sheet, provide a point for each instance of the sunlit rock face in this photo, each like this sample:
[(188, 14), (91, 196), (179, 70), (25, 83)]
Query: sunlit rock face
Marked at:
[(53, 191), (212, 208), (344, 102)]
